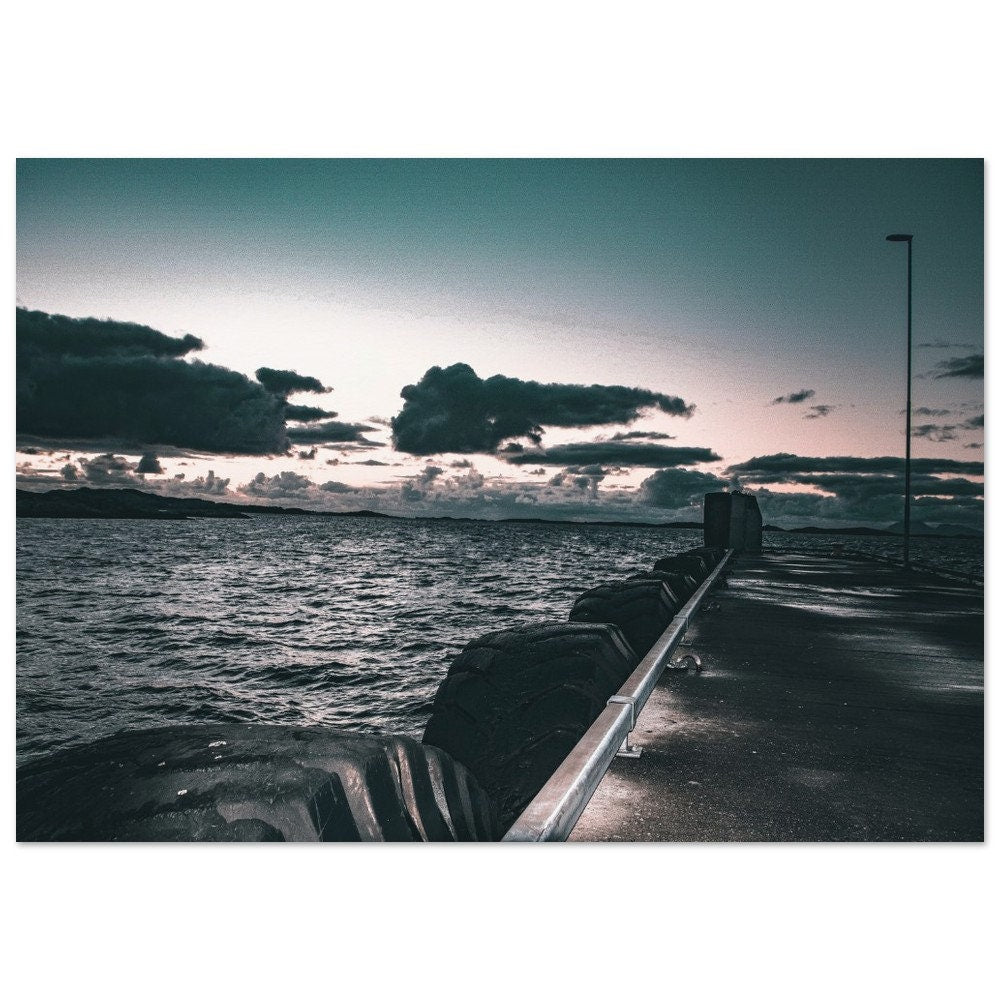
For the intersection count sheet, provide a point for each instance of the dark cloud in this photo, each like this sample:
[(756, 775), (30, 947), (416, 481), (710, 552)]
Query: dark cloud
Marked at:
[(332, 432), (821, 410), (974, 423), (332, 486), (642, 436), (885, 507), (101, 379), (795, 397), (294, 411), (781, 467), (935, 432), (974, 444), (430, 473), (70, 474), (582, 477), (970, 366), (460, 463), (928, 411), (105, 470), (149, 464), (863, 487), (408, 493), (944, 343), (676, 488), (283, 484), (595, 474), (284, 383), (611, 453), (864, 490), (597, 471), (454, 410), (307, 456), (369, 461), (116, 445), (55, 335), (210, 485)]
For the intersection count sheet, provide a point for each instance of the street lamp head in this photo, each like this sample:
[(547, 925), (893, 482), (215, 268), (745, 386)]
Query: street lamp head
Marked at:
[(900, 237)]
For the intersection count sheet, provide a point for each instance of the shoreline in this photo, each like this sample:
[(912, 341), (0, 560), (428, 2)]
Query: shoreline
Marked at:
[(132, 504)]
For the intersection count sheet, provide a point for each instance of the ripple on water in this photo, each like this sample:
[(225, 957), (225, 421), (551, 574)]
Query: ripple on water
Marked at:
[(338, 622)]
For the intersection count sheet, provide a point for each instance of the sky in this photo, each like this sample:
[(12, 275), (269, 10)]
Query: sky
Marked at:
[(588, 339)]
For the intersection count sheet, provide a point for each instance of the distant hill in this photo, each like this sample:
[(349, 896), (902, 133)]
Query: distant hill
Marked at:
[(135, 504), (607, 524)]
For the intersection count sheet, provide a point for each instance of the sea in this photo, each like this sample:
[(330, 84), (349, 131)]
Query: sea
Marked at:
[(345, 622)]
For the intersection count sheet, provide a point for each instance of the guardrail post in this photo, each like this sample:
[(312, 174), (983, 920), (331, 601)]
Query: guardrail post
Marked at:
[(628, 748)]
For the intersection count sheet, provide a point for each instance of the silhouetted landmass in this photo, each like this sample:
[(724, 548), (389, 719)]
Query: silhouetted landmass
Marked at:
[(132, 504), (136, 504)]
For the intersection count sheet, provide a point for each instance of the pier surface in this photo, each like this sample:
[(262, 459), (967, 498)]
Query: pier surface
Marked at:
[(840, 700)]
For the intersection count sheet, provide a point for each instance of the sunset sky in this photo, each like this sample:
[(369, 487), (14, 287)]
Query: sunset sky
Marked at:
[(755, 302)]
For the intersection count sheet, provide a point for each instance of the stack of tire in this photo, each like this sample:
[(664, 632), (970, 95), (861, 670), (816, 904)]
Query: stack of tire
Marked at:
[(516, 702), (513, 705)]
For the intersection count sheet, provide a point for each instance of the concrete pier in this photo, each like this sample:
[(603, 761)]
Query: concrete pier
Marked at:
[(840, 700)]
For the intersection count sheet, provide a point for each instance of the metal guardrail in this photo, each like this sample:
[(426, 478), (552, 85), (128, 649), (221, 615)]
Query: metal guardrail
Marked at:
[(553, 812)]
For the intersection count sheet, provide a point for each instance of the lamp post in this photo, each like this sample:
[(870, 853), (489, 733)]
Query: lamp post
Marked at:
[(907, 238)]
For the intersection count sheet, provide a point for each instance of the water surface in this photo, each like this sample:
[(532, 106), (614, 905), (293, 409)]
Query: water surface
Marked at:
[(343, 622)]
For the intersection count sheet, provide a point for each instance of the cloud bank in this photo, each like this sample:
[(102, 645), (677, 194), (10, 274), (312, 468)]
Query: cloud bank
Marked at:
[(847, 489), (99, 379), (677, 488), (610, 452), (332, 432), (783, 467), (454, 410), (284, 383)]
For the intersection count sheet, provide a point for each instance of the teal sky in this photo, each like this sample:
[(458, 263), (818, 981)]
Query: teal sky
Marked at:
[(727, 282)]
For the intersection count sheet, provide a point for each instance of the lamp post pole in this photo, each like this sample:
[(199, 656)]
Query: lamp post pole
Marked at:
[(907, 238)]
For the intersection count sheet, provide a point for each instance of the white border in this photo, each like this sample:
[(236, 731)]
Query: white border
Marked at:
[(513, 79)]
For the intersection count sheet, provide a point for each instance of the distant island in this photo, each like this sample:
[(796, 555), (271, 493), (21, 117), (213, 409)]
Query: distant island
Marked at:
[(135, 504), (131, 504)]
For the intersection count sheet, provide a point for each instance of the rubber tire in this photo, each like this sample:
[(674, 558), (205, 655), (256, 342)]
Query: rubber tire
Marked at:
[(712, 555), (681, 585), (704, 557), (693, 566), (642, 609), (250, 782), (516, 702)]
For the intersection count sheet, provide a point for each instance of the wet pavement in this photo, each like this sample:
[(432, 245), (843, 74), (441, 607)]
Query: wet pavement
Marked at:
[(840, 700)]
